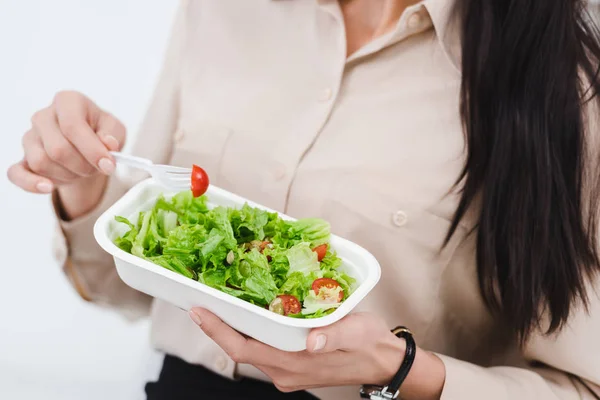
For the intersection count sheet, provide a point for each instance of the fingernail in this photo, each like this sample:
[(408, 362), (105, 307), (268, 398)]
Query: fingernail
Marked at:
[(106, 166), (320, 343), (111, 142), (44, 187), (195, 317)]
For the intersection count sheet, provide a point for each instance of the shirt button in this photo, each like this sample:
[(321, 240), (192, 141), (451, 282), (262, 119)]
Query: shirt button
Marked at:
[(399, 218), (221, 363), (415, 21), (179, 135), (325, 95)]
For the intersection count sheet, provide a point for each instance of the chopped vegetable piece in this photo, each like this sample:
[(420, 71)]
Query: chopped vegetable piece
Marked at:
[(230, 257), (321, 251), (276, 306), (327, 288), (285, 304), (314, 303), (302, 259), (200, 181)]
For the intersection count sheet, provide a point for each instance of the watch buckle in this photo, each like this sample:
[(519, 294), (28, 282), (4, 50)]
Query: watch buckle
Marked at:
[(382, 394)]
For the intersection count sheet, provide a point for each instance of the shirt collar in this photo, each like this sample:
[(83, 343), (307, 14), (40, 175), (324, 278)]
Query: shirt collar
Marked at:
[(447, 28), (413, 20), (445, 23)]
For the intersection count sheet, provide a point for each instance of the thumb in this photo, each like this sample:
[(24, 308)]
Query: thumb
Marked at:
[(347, 334)]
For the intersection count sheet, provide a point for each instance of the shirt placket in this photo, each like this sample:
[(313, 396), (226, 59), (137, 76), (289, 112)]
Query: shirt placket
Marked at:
[(311, 123)]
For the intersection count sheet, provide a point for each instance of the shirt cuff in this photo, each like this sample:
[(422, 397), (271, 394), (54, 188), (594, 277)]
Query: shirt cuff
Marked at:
[(115, 188), (74, 240)]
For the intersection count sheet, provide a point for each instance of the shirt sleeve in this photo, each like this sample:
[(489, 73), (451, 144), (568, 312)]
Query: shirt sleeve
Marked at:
[(90, 270), (563, 366)]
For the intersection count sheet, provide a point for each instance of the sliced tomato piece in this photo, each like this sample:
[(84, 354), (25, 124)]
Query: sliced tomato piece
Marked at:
[(327, 284), (200, 181), (285, 304), (321, 251), (291, 304)]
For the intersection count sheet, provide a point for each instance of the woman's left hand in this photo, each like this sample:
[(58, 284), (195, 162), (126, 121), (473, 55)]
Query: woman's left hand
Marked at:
[(357, 349)]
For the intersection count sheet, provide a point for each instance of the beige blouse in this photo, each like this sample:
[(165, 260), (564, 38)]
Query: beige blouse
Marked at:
[(262, 95)]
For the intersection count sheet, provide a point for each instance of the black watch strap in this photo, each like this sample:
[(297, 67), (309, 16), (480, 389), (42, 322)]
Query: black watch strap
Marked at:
[(391, 391)]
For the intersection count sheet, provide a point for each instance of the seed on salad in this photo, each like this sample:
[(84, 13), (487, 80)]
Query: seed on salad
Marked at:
[(194, 274), (276, 306), (245, 268), (230, 257)]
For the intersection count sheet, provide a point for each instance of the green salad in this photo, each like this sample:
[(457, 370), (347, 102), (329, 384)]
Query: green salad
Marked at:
[(249, 253)]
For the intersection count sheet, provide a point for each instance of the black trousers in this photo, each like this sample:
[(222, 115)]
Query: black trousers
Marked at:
[(179, 380)]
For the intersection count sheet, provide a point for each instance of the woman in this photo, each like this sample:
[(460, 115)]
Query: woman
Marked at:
[(455, 140)]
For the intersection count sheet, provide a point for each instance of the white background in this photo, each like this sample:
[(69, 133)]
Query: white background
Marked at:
[(52, 344)]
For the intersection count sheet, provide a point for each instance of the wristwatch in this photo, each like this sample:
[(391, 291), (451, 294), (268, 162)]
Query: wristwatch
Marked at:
[(391, 391)]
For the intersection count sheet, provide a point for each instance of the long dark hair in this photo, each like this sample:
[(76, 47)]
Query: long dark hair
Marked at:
[(530, 73)]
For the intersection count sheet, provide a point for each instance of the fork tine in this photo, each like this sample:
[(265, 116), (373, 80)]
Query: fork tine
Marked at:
[(179, 181), (176, 170), (184, 172), (176, 174)]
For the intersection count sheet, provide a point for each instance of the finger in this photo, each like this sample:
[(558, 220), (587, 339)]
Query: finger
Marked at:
[(111, 131), (240, 349), (38, 161), (352, 332), (58, 148), (73, 111), (22, 177)]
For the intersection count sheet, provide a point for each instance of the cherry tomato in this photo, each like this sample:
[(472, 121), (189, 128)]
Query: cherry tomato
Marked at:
[(285, 304), (327, 283), (199, 181), (321, 251)]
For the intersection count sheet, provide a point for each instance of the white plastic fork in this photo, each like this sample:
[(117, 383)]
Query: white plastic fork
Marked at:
[(175, 178)]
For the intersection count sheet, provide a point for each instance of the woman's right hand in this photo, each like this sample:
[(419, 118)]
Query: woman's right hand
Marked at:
[(67, 148)]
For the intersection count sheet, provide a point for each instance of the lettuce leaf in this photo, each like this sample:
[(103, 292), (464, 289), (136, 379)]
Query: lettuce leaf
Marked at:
[(218, 219), (261, 285), (302, 259), (312, 304), (126, 241), (189, 209), (257, 260), (248, 223), (279, 263), (312, 230), (174, 264), (248, 296), (218, 247), (141, 244), (298, 284), (213, 277)]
